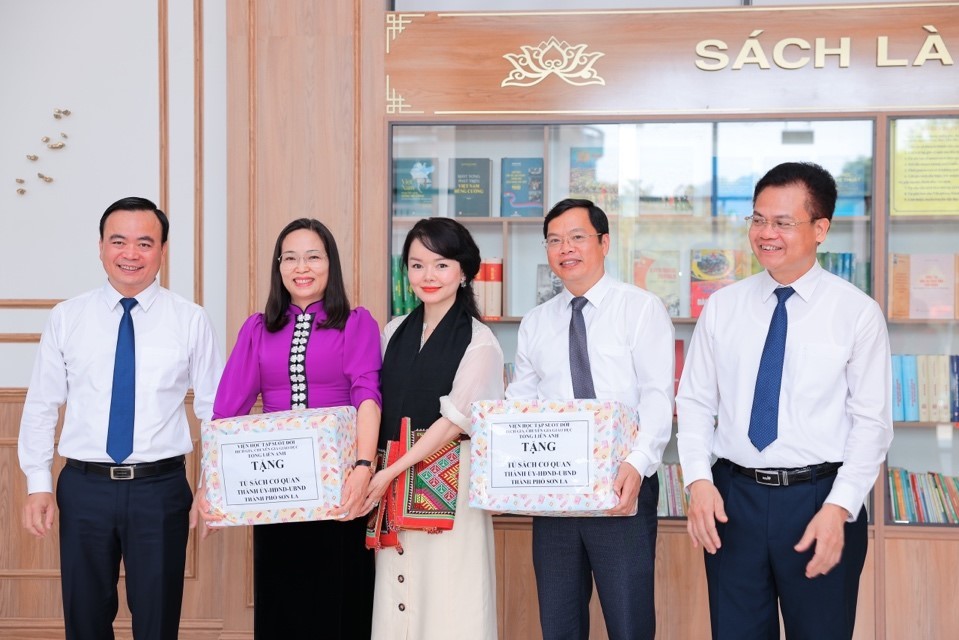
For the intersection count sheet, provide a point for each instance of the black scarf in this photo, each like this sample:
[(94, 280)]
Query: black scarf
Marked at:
[(414, 379)]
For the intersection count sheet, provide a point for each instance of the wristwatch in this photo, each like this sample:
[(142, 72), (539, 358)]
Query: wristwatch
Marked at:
[(364, 463)]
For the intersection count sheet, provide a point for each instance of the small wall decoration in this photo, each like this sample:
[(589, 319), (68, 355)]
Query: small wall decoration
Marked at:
[(58, 114)]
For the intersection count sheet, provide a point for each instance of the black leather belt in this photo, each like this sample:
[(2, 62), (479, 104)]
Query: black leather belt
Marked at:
[(128, 471), (786, 477)]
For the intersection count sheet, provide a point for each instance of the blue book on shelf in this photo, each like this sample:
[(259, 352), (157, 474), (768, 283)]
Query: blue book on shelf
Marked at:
[(521, 186), (910, 388), (845, 271), (898, 409), (954, 388)]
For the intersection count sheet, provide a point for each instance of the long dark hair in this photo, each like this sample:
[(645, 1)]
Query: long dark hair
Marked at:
[(335, 301), (450, 239)]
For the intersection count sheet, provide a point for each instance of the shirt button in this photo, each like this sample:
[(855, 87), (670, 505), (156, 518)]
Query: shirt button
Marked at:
[(402, 607), (401, 578)]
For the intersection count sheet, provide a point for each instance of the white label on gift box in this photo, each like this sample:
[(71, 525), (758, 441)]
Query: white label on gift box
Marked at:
[(269, 469), (540, 453)]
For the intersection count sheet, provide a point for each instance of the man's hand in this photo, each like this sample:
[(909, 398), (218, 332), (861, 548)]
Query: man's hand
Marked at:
[(828, 530), (201, 508), (38, 513), (626, 486), (705, 508)]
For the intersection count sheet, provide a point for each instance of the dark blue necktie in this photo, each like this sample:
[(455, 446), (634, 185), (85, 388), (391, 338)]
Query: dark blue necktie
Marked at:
[(578, 355), (122, 404), (764, 418)]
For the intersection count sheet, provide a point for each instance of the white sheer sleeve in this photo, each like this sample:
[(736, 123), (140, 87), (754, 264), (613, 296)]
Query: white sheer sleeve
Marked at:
[(479, 377)]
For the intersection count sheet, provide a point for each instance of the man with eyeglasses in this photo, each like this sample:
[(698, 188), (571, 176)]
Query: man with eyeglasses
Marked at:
[(787, 387), (598, 338), (121, 358)]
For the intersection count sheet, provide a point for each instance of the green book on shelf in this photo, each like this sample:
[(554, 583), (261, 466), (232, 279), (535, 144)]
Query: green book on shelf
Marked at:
[(470, 187), (414, 187)]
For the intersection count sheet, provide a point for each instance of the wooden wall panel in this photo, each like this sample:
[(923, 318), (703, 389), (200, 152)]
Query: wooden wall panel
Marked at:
[(921, 584)]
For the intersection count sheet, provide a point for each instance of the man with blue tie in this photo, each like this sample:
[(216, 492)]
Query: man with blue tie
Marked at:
[(598, 338), (121, 358), (787, 385)]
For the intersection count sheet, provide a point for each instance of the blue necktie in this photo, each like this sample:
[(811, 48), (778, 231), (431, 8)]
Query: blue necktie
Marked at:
[(764, 418), (122, 404), (578, 355)]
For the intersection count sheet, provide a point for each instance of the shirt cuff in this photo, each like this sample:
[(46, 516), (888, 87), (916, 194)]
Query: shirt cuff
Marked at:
[(40, 483), (449, 411), (641, 462), (845, 495)]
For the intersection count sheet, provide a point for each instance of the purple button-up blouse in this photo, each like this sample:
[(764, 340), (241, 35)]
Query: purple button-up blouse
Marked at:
[(339, 368)]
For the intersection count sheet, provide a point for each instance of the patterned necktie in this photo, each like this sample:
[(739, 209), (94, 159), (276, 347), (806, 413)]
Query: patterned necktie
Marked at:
[(764, 418), (578, 355), (122, 403)]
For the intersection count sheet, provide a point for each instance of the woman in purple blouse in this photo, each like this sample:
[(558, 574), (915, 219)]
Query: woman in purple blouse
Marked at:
[(310, 350)]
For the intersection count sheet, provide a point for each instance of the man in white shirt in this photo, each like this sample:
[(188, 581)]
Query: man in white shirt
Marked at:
[(799, 445), (628, 356), (121, 358)]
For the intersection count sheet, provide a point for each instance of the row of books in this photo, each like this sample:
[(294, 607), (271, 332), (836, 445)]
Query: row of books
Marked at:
[(488, 289), (403, 300), (923, 286), (415, 190), (923, 497), (925, 388), (845, 265), (673, 502)]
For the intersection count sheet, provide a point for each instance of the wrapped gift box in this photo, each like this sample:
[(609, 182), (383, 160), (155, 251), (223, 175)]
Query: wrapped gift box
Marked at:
[(548, 458), (287, 466)]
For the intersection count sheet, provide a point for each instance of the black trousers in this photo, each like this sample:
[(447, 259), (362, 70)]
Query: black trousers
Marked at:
[(144, 521), (757, 568), (618, 552), (312, 580)]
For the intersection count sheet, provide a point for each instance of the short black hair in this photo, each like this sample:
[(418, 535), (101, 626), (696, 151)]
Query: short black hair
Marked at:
[(597, 217), (450, 239), (821, 191), (336, 303), (137, 204)]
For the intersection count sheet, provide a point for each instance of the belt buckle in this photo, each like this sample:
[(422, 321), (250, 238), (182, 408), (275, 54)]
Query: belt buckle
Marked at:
[(121, 473), (770, 477)]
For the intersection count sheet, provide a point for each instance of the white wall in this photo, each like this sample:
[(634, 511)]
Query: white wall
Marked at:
[(100, 60)]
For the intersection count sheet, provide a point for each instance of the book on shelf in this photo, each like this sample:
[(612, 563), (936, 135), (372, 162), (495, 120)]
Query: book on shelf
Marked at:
[(898, 409), (941, 401), (493, 295), (585, 182), (673, 502), (521, 187), (924, 368), (678, 360), (509, 373), (711, 270), (396, 280), (954, 388), (845, 265), (479, 288), (414, 187), (657, 271), (910, 388), (548, 283), (922, 285), (470, 187)]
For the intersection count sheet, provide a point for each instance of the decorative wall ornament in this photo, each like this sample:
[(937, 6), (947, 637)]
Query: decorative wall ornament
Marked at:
[(44, 178), (59, 114), (396, 24), (45, 139), (56, 145), (21, 191), (395, 103), (20, 180), (32, 157), (569, 62)]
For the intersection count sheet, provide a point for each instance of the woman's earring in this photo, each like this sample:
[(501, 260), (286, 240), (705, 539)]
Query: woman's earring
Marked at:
[(463, 283)]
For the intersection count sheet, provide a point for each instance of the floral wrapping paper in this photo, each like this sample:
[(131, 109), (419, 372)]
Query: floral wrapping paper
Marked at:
[(617, 427), (335, 429)]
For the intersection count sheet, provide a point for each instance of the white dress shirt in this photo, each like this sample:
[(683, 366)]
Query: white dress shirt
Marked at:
[(835, 401), (631, 350), (478, 377), (176, 349)]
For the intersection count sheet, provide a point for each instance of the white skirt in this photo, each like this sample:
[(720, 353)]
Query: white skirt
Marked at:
[(443, 585)]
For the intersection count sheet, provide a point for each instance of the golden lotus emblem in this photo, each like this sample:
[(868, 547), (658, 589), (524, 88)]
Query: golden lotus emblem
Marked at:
[(554, 57)]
